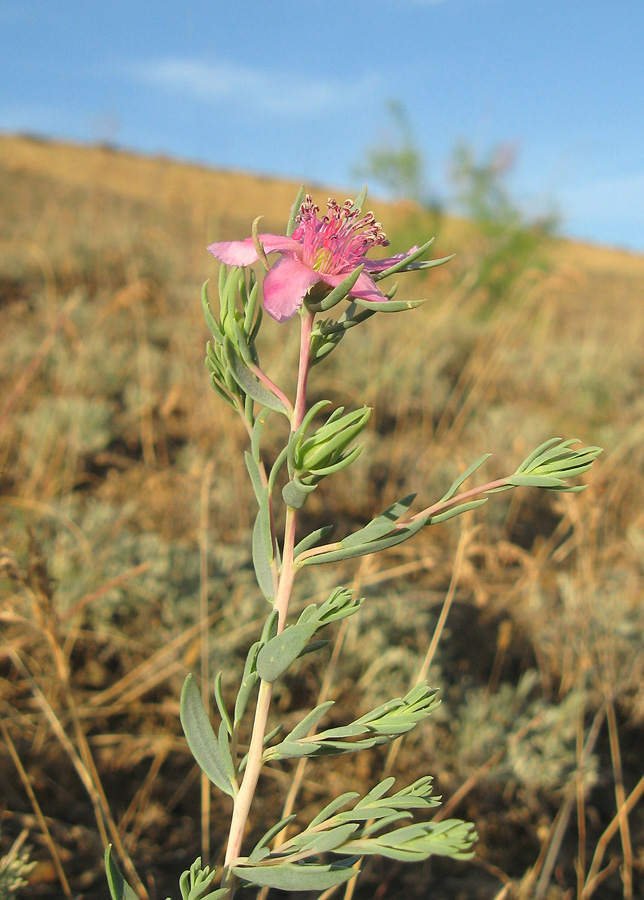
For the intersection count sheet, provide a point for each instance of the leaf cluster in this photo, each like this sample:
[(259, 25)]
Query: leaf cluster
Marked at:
[(370, 826), (381, 725)]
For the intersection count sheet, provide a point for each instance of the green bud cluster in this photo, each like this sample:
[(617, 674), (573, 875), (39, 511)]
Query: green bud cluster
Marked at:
[(234, 334), (327, 450)]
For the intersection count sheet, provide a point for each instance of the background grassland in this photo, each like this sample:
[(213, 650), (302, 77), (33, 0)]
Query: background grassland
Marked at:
[(124, 501)]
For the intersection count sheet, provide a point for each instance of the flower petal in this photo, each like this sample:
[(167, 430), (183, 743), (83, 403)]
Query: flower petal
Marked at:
[(243, 253), (285, 285), (365, 287), (379, 265)]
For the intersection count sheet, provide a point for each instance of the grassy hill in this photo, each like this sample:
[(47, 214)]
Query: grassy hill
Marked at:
[(123, 500)]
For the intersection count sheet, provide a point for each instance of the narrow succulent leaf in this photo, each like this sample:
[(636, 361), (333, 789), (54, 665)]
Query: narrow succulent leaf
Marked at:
[(327, 841), (358, 203), (381, 525), (277, 654), (249, 383), (241, 344), (226, 757), (542, 481), (252, 336), (256, 435), (295, 209), (291, 750), (398, 537), (452, 838), (339, 732), (221, 282), (406, 261), (224, 396), (312, 646), (265, 840), (311, 539), (248, 683), (262, 563), (270, 628), (466, 474), (378, 791), (380, 823), (251, 306), (340, 291), (389, 306), (428, 264), (296, 876), (311, 414), (527, 462), (309, 721), (342, 463), (119, 888), (456, 511), (275, 469), (255, 478), (201, 737), (333, 807), (221, 703), (211, 322)]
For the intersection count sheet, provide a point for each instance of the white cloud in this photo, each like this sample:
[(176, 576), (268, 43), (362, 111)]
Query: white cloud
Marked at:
[(260, 91)]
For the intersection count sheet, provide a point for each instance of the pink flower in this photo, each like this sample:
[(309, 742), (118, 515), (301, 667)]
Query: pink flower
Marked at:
[(322, 250)]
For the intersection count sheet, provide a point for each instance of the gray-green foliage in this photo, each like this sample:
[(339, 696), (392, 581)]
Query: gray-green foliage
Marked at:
[(14, 869)]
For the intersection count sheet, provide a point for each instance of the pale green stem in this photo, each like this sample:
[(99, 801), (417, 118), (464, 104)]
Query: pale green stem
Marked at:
[(244, 798)]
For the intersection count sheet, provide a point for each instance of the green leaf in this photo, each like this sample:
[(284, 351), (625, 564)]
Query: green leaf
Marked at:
[(326, 841), (248, 683), (358, 203), (340, 292), (456, 511), (277, 654), (377, 792), (295, 209), (397, 537), (119, 888), (298, 876), (221, 703), (466, 474), (309, 721), (333, 807), (452, 837), (403, 263), (226, 756), (311, 540), (262, 563), (388, 306), (381, 525), (256, 434), (542, 481), (211, 322), (263, 842), (201, 737), (251, 385)]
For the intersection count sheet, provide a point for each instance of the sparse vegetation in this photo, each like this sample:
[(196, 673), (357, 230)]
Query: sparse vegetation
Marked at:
[(118, 474)]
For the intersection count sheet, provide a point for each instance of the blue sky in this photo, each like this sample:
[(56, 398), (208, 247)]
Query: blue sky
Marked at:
[(300, 88)]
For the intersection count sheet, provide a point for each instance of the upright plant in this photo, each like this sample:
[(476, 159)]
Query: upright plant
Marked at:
[(322, 263)]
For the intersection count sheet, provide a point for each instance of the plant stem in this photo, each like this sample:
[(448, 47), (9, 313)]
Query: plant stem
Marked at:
[(244, 799)]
